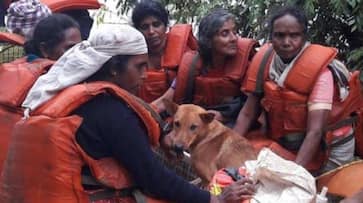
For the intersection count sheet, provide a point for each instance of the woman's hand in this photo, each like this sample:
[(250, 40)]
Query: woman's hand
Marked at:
[(241, 190)]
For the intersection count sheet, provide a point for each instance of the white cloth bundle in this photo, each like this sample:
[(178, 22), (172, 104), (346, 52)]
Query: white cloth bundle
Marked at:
[(280, 180)]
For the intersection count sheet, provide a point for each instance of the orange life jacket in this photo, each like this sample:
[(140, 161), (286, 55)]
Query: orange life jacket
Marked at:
[(180, 39), (16, 78), (344, 181), (286, 106), (213, 88), (44, 160), (65, 5), (12, 38)]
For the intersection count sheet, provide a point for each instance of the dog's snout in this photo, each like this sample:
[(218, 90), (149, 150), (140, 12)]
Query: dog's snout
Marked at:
[(178, 148)]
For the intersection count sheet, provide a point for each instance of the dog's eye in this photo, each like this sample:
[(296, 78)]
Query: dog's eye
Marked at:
[(193, 127), (176, 124)]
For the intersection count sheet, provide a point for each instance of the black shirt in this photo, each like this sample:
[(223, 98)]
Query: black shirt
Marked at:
[(111, 129)]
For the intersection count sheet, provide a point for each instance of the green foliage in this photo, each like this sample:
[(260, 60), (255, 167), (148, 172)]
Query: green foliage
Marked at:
[(337, 23)]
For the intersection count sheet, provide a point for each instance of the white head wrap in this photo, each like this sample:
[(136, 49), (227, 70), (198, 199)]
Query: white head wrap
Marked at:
[(85, 59)]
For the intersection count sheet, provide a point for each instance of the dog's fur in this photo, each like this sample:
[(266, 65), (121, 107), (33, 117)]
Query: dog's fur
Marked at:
[(211, 144)]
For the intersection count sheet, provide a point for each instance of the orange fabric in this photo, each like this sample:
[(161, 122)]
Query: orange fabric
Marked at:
[(287, 107), (212, 88), (344, 181), (249, 83), (65, 103), (180, 39), (308, 67), (16, 78), (260, 140), (12, 38), (51, 172), (8, 117), (65, 5), (287, 110)]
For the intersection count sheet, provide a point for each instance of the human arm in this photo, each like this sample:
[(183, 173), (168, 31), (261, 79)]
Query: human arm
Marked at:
[(169, 95), (319, 106), (110, 128), (315, 131), (248, 114)]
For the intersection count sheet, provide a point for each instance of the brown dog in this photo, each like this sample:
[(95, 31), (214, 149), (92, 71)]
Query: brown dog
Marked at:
[(211, 144)]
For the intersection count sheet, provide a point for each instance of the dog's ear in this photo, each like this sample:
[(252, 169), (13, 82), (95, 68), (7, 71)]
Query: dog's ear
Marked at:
[(170, 106), (207, 117)]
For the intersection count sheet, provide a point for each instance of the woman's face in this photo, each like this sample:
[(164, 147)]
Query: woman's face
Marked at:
[(287, 37), (132, 78), (224, 42), (72, 36), (154, 32)]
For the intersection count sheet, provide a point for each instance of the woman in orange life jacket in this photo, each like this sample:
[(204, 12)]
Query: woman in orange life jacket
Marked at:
[(52, 36), (288, 30), (165, 46), (110, 128), (221, 62)]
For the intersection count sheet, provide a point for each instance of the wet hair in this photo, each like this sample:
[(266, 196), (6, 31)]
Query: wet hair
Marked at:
[(49, 31), (147, 8), (117, 63), (293, 11), (208, 27)]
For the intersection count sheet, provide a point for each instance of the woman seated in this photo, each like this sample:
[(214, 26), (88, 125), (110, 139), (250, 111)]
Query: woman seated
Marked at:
[(82, 113), (211, 76), (165, 48), (52, 37)]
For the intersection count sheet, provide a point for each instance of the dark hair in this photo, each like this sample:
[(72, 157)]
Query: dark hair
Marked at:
[(82, 17), (208, 27), (147, 8), (118, 63), (49, 31), (294, 11)]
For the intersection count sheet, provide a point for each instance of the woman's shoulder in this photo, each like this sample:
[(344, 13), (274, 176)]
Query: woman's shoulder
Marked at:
[(103, 104)]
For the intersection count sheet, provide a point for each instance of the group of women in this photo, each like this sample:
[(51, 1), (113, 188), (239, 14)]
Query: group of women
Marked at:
[(85, 137)]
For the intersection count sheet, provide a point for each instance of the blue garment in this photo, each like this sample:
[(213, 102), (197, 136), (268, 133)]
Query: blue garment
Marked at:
[(2, 14), (31, 57), (111, 129)]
